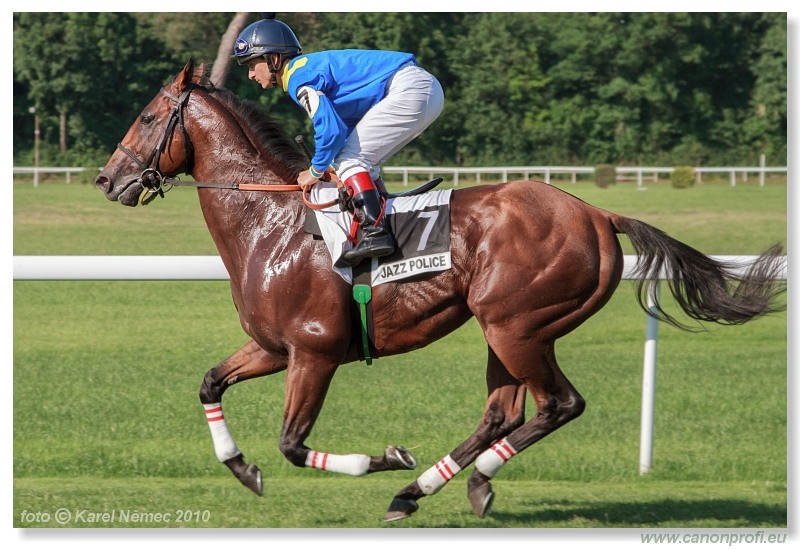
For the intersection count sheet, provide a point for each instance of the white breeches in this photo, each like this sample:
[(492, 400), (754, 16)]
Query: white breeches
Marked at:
[(413, 100)]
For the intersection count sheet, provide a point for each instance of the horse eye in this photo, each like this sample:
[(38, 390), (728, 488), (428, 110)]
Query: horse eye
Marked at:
[(147, 118)]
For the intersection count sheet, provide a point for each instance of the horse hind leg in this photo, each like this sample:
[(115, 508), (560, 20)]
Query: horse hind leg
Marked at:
[(558, 402), (250, 361), (503, 432), (504, 411)]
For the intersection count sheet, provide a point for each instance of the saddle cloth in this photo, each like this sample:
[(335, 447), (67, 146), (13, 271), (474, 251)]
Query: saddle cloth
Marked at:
[(420, 224)]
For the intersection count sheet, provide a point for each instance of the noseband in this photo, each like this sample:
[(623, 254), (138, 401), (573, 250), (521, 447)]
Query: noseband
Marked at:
[(151, 179)]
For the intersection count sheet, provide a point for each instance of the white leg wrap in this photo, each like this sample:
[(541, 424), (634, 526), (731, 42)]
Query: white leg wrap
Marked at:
[(353, 465), (224, 445), (437, 476), (491, 460)]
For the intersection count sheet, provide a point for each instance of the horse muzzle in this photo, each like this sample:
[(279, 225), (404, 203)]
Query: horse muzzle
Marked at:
[(127, 191)]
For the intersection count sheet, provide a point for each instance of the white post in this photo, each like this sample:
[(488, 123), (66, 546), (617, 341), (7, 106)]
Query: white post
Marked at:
[(36, 139), (649, 384), (763, 164)]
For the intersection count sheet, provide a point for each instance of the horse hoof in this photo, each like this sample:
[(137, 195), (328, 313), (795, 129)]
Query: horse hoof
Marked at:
[(251, 478), (248, 474), (400, 508), (398, 458), (481, 499)]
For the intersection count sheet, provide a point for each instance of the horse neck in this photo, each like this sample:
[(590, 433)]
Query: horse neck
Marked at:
[(230, 153), (226, 146)]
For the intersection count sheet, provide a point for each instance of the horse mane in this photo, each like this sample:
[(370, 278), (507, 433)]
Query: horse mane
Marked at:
[(266, 129)]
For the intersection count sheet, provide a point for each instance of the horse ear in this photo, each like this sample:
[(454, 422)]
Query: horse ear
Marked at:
[(200, 72), (184, 77)]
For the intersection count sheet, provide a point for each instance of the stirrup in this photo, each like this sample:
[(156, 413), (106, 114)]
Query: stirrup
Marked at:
[(385, 246)]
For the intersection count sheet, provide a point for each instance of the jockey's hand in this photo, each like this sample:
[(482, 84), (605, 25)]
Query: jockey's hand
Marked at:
[(305, 179)]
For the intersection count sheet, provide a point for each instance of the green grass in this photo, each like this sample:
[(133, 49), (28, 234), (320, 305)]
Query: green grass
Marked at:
[(106, 413), (75, 219), (125, 411), (360, 503)]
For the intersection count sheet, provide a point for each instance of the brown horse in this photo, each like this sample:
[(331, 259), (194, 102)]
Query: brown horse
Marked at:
[(529, 261)]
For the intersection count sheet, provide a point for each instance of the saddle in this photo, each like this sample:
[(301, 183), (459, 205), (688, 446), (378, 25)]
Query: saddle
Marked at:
[(420, 224)]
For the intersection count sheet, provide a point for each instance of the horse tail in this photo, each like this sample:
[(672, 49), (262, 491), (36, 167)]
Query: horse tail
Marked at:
[(705, 289)]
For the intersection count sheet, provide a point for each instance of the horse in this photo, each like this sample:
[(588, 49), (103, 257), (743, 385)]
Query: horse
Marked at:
[(529, 261)]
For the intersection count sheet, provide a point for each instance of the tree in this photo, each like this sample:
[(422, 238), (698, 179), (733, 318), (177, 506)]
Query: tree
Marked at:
[(520, 88), (220, 70), (40, 63), (498, 88), (97, 70), (766, 120), (75, 66)]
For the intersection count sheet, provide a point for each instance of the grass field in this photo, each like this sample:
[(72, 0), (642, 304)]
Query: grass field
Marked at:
[(107, 419)]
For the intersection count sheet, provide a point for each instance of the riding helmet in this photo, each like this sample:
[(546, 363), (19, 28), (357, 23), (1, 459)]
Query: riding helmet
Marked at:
[(265, 36)]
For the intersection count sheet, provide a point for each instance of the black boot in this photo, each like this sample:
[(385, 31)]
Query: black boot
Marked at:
[(376, 240)]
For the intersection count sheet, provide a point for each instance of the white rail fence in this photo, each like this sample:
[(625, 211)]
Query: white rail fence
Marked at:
[(502, 171), (732, 172), (39, 268), (639, 173), (38, 170)]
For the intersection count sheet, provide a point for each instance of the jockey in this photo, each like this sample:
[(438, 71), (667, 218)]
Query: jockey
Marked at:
[(365, 106)]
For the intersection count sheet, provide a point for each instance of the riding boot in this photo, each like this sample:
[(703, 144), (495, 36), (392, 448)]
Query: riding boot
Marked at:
[(376, 240)]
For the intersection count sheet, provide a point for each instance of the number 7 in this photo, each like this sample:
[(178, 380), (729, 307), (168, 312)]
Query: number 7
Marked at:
[(432, 216)]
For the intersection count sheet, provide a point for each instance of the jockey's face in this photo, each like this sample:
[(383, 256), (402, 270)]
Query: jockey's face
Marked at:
[(258, 70)]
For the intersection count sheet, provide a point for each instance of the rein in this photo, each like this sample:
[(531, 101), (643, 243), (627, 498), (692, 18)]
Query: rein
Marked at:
[(174, 181), (155, 184)]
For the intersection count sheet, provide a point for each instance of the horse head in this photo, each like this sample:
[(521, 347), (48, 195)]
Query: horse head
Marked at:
[(156, 145), (192, 127)]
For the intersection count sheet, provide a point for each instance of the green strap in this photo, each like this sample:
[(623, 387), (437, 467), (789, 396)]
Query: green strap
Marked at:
[(362, 294)]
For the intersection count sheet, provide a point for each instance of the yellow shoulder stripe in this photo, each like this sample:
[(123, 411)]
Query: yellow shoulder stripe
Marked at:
[(288, 72)]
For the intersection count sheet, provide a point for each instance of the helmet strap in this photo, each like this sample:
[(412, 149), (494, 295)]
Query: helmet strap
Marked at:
[(273, 69)]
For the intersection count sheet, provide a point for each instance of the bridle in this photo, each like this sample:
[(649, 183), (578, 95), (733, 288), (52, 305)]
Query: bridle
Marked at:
[(156, 184), (151, 179)]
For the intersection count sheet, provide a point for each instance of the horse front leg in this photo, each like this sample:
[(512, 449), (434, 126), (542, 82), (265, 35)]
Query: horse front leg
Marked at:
[(503, 413), (250, 361), (307, 383)]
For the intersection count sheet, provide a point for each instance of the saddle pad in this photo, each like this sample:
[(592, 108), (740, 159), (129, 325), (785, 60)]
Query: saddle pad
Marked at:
[(420, 224)]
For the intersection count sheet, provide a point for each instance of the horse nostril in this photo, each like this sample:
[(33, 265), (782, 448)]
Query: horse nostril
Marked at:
[(103, 183)]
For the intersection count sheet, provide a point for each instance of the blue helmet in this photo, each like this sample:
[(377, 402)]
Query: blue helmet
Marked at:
[(265, 36)]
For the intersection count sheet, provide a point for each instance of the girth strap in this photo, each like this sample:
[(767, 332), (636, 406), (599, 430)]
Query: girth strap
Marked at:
[(362, 295)]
